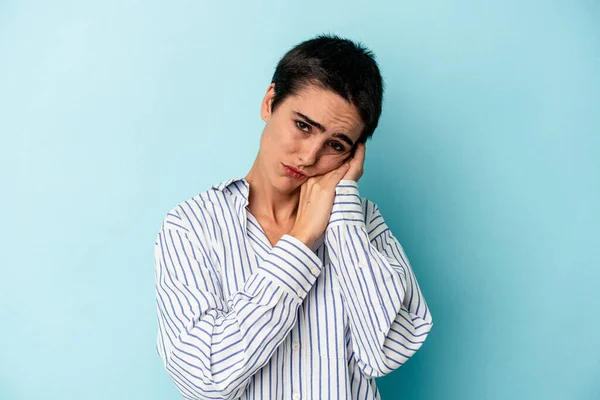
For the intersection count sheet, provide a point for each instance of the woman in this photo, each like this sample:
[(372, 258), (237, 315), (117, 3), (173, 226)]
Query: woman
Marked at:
[(287, 283)]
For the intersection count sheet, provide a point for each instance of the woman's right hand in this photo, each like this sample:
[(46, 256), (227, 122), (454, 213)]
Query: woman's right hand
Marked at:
[(316, 203)]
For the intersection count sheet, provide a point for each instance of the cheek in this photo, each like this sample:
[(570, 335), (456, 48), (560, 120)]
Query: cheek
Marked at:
[(289, 140), (329, 163), (280, 139)]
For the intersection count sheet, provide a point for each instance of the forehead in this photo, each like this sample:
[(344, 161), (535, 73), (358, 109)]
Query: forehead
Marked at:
[(329, 109)]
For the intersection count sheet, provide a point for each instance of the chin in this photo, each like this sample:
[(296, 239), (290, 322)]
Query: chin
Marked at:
[(286, 184), (290, 182)]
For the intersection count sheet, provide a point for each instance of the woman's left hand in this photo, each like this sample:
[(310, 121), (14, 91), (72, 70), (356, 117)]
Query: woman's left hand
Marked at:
[(356, 163)]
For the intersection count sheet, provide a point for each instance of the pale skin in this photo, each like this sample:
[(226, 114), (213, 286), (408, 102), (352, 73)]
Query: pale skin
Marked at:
[(301, 207)]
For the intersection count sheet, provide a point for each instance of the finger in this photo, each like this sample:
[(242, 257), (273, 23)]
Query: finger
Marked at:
[(336, 175), (342, 168), (303, 193), (362, 148)]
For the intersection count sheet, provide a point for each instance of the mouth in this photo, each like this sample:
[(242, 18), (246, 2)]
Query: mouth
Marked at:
[(293, 172)]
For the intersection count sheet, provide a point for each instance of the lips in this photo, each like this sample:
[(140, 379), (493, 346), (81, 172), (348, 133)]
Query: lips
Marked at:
[(292, 168), (295, 170)]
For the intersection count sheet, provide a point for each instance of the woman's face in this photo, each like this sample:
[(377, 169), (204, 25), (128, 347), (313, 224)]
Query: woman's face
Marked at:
[(313, 132)]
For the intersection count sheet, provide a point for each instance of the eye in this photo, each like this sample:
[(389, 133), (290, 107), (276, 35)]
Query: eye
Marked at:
[(302, 126), (337, 147)]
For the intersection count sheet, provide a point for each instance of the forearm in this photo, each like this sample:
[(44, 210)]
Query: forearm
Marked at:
[(388, 317), (211, 348)]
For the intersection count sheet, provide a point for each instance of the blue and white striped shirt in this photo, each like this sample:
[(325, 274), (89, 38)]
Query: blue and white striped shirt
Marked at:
[(239, 318)]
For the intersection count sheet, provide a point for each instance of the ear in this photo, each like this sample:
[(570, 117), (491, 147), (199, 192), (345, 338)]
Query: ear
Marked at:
[(265, 105)]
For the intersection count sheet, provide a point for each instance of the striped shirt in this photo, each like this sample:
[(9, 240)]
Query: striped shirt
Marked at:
[(240, 318)]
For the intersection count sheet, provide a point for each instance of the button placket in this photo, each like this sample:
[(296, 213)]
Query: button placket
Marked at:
[(296, 336)]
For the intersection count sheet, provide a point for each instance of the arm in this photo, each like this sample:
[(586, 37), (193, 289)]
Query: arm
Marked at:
[(388, 316), (211, 348)]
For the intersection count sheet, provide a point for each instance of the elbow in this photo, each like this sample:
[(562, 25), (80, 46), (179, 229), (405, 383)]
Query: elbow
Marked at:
[(397, 348), (194, 383), (372, 371)]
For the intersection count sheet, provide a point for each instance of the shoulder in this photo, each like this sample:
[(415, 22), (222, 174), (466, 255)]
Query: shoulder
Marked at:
[(369, 209), (195, 218), (195, 210)]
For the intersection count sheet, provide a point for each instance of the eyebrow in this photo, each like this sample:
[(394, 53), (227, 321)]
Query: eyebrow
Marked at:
[(342, 136)]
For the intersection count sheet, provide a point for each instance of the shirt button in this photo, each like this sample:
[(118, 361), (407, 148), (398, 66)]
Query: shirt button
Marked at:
[(361, 264), (344, 191), (314, 270), (296, 396), (296, 346), (300, 293)]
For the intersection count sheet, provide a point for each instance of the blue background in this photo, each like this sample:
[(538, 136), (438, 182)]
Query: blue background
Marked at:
[(485, 165)]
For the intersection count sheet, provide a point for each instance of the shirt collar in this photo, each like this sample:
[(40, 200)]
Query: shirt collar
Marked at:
[(239, 187), (222, 185)]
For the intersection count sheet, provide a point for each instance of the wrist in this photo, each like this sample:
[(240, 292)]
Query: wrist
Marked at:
[(306, 239)]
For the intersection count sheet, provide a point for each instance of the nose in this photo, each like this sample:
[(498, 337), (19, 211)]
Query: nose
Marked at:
[(310, 153)]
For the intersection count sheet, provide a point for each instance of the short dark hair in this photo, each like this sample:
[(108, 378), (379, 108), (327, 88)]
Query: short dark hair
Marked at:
[(345, 67)]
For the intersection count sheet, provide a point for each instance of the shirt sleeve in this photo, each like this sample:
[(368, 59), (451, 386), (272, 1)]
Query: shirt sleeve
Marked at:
[(388, 316), (210, 346)]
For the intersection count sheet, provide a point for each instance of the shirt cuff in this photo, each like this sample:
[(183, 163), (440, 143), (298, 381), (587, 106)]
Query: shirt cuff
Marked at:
[(347, 205), (293, 266)]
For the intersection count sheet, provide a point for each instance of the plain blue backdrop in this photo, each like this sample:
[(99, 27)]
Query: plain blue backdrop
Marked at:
[(485, 165)]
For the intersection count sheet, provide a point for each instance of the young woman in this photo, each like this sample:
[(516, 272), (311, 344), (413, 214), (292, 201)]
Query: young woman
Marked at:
[(287, 284)]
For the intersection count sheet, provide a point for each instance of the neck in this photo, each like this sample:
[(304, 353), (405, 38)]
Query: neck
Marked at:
[(266, 201)]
